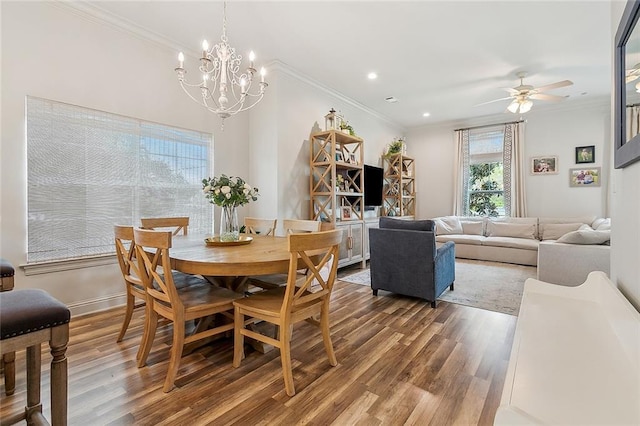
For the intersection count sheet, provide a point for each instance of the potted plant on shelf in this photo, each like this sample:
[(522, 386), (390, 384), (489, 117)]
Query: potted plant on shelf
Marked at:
[(395, 147), (347, 128)]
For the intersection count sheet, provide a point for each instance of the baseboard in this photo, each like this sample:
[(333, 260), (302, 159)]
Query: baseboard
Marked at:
[(97, 305)]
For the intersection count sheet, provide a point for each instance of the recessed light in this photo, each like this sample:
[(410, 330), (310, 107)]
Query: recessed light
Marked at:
[(372, 76), (391, 100), (426, 114)]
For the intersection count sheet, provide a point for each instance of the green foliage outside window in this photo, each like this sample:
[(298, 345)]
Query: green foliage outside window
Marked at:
[(486, 189)]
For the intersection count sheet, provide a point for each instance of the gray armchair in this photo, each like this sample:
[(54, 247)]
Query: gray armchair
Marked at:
[(404, 259)]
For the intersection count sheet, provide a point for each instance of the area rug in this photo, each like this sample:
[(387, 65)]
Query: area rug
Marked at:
[(487, 285)]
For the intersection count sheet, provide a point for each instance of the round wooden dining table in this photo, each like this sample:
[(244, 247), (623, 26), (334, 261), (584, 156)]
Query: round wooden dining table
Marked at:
[(230, 265)]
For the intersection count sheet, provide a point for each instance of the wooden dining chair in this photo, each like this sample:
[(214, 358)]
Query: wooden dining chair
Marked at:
[(194, 302), (177, 224), (126, 255), (285, 306), (292, 226), (255, 225)]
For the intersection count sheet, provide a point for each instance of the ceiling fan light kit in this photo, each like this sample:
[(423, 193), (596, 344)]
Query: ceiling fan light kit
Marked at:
[(521, 96)]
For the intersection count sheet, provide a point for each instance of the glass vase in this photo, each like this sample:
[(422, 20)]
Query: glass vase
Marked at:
[(229, 229)]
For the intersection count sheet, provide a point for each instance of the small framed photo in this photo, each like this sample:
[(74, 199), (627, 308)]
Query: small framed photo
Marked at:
[(339, 157), (352, 158), (346, 213), (546, 165), (585, 154), (584, 176)]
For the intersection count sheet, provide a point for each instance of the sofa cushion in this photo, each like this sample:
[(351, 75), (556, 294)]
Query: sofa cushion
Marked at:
[(475, 240), (586, 236), (509, 229), (602, 224), (475, 227), (544, 221), (448, 225), (511, 242), (553, 231), (411, 225)]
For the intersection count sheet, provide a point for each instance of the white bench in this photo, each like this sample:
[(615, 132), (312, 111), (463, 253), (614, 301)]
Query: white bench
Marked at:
[(575, 357)]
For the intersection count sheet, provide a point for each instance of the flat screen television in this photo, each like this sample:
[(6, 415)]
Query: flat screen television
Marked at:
[(373, 181)]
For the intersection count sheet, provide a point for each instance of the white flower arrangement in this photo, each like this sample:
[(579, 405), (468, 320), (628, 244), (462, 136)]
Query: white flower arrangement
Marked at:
[(226, 191)]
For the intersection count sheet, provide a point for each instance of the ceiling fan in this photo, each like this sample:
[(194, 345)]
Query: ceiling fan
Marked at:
[(523, 94), (632, 74)]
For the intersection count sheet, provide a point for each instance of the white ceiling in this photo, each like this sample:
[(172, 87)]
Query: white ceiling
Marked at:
[(441, 57)]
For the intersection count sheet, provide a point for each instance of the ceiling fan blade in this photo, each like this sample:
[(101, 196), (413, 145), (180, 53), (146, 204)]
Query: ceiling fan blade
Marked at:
[(631, 77), (545, 97), (557, 85), (510, 90), (495, 100)]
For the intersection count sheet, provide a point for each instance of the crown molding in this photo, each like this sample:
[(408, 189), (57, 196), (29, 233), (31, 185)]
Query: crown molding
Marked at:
[(284, 68), (93, 13)]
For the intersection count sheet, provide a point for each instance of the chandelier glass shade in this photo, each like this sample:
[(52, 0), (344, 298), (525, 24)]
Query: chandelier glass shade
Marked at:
[(223, 87)]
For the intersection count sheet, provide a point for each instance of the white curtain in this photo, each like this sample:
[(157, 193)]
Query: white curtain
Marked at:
[(461, 173), (514, 170), (633, 121)]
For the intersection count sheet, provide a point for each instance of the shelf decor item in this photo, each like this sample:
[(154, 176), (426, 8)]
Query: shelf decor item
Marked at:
[(347, 128), (331, 120), (229, 192), (396, 147)]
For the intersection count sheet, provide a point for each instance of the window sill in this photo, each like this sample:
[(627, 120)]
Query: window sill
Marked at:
[(67, 264)]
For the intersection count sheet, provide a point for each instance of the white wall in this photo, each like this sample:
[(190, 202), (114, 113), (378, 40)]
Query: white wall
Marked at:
[(299, 111), (553, 131), (625, 213), (53, 52)]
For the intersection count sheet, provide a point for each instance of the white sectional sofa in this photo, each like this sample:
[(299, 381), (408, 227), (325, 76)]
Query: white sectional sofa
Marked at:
[(520, 240)]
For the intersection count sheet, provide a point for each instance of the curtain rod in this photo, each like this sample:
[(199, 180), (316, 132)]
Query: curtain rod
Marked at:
[(492, 125), (632, 105)]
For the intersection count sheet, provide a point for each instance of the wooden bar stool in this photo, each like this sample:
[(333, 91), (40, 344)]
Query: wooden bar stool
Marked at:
[(27, 319), (8, 366)]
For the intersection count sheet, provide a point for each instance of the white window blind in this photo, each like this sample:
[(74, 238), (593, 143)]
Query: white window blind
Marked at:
[(89, 170)]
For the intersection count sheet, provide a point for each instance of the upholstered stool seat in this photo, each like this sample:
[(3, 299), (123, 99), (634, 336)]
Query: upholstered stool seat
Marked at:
[(27, 319)]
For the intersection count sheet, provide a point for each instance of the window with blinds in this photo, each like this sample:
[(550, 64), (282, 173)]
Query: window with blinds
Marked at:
[(486, 183), (89, 170)]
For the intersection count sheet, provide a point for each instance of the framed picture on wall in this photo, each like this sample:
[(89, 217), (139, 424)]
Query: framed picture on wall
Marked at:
[(585, 154), (584, 176), (544, 165)]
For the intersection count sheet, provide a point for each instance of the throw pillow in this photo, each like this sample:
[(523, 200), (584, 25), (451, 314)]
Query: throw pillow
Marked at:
[(586, 236), (605, 225), (516, 230), (412, 225), (472, 227), (553, 231), (448, 225)]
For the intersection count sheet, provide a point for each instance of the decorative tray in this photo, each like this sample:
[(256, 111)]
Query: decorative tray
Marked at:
[(215, 241)]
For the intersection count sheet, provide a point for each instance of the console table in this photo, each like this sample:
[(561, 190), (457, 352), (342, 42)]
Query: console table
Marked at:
[(575, 357)]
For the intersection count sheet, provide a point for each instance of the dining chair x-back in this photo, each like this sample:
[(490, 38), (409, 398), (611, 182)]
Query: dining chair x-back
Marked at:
[(287, 305), (255, 225), (176, 224), (193, 302)]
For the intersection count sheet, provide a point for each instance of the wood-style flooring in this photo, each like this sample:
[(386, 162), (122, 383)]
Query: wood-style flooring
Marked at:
[(399, 362)]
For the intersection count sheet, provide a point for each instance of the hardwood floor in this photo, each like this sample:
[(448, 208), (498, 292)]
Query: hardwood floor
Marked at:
[(399, 362)]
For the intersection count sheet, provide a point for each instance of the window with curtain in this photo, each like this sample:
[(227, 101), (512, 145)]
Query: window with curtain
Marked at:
[(484, 173), (89, 170)]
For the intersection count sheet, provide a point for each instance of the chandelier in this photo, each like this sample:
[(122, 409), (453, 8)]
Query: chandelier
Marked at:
[(223, 88)]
